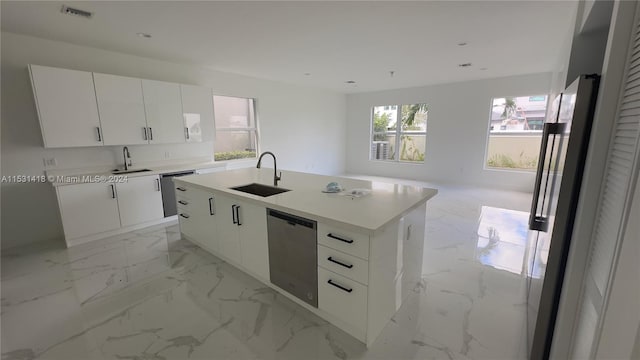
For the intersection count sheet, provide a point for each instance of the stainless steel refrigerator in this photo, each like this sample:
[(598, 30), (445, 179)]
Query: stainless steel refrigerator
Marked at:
[(557, 189)]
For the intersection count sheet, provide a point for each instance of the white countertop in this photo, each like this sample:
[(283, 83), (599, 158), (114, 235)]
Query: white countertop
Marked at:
[(79, 176), (386, 202)]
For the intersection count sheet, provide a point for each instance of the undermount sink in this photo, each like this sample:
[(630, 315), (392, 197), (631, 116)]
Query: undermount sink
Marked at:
[(118, 171), (260, 189)]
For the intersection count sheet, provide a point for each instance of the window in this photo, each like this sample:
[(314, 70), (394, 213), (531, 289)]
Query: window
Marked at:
[(236, 131), (399, 132), (515, 132)]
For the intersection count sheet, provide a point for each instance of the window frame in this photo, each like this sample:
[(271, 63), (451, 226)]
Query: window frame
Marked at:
[(254, 130), (485, 163), (398, 133)]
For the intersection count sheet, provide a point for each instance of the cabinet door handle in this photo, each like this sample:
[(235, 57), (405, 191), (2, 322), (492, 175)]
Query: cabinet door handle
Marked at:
[(158, 184), (211, 206), (238, 215), (144, 133), (113, 191), (99, 134), (186, 131), (340, 286), (184, 216), (181, 189), (348, 266), (348, 241), (233, 213), (182, 202), (150, 133)]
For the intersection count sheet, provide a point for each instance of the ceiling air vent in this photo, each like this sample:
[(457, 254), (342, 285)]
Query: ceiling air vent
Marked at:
[(77, 12)]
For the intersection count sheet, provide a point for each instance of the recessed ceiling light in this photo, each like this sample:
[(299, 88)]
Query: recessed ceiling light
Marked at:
[(462, 43), (464, 65), (350, 82), (144, 35), (307, 74)]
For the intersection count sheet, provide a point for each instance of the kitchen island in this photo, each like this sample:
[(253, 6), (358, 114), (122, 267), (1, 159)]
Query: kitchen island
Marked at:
[(368, 248)]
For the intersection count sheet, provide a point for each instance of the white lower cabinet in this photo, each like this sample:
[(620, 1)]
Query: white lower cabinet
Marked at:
[(343, 298), (363, 279), (199, 217), (234, 229), (254, 242), (139, 200), (94, 210), (243, 234), (228, 237), (87, 209)]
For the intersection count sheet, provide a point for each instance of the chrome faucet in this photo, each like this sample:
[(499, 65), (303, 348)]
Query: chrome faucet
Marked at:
[(276, 178), (126, 155)]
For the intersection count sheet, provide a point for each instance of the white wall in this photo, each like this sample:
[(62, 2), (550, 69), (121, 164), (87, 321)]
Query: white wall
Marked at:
[(457, 131), (304, 127)]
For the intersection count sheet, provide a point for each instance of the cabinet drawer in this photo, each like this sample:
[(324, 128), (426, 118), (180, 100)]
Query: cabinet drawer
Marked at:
[(342, 298), (198, 202), (344, 240), (183, 191), (344, 264), (184, 204), (187, 224)]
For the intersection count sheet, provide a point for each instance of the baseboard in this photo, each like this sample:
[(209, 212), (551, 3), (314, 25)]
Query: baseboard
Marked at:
[(106, 234)]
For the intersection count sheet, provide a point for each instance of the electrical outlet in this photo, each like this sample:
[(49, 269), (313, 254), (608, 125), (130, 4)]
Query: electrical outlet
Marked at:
[(50, 162)]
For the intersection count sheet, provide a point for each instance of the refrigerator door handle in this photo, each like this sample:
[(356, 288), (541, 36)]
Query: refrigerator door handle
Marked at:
[(539, 222)]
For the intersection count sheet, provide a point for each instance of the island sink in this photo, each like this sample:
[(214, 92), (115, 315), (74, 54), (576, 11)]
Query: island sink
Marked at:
[(260, 189)]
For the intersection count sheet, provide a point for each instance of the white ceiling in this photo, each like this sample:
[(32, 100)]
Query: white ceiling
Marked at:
[(334, 41)]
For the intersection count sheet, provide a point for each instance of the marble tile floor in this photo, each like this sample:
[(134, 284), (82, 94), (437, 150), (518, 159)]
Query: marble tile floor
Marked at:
[(150, 295)]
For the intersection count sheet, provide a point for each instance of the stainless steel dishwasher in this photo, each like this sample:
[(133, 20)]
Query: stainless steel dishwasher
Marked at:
[(293, 259)]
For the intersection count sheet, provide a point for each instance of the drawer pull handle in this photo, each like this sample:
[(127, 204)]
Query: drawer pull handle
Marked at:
[(211, 205), (348, 266), (340, 286), (233, 214), (184, 216), (348, 241), (181, 189), (182, 202)]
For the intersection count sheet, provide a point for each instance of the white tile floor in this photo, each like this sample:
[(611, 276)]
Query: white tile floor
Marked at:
[(150, 295)]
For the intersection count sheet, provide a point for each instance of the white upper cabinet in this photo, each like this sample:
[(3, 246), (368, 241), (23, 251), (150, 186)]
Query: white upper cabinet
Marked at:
[(121, 109), (79, 108), (163, 108), (197, 108), (139, 200), (66, 104)]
